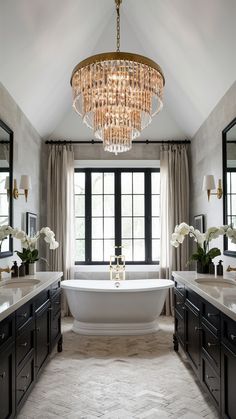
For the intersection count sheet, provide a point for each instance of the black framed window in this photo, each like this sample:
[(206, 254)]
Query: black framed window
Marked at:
[(117, 207)]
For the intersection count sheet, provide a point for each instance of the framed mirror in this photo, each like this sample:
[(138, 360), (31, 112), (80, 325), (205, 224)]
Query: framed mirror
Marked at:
[(229, 183), (6, 182)]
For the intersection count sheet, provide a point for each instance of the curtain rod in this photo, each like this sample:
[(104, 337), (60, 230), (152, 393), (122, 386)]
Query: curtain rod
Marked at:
[(133, 142)]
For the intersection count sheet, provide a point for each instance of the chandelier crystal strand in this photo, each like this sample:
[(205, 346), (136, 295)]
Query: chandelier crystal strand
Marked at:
[(117, 94)]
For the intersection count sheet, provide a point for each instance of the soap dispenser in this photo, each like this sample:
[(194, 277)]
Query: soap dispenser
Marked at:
[(220, 268), (14, 270), (211, 268)]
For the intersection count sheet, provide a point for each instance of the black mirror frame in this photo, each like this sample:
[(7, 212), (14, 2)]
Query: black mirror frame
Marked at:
[(11, 135), (224, 178)]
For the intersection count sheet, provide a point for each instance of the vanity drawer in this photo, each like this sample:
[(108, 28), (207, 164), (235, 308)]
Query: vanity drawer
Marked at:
[(23, 315), (179, 302), (54, 288), (56, 303), (41, 299), (7, 330), (194, 298), (211, 380), (212, 315), (24, 345), (24, 380), (211, 346), (180, 287), (229, 333)]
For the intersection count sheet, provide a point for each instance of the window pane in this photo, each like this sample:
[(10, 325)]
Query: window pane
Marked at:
[(126, 228), (233, 182), (138, 202), (79, 205), (97, 180), (156, 183), (155, 205), (3, 176), (139, 228), (229, 204), (79, 183), (109, 232), (155, 250), (97, 206), (127, 250), (3, 205), (139, 250), (80, 250), (109, 205), (233, 204), (97, 250), (80, 228), (97, 228), (109, 183), (138, 183), (3, 221), (126, 205), (108, 249), (126, 183), (156, 228)]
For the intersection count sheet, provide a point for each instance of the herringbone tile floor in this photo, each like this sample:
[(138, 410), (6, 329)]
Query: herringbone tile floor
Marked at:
[(118, 378)]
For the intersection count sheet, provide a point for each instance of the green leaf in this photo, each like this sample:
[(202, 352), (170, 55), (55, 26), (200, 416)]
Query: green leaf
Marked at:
[(214, 252)]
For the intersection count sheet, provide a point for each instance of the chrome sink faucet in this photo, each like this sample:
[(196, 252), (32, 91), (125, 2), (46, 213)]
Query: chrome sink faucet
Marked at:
[(8, 270)]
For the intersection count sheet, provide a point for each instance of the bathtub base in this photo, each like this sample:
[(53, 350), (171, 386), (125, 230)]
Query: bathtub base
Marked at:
[(114, 329)]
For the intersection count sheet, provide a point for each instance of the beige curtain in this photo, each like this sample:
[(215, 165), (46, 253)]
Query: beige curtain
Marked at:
[(174, 210), (60, 209)]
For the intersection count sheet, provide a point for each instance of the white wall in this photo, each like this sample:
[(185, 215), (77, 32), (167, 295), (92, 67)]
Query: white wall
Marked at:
[(27, 157), (206, 158)]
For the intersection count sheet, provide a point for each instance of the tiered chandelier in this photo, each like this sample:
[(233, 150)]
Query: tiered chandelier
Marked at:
[(117, 94)]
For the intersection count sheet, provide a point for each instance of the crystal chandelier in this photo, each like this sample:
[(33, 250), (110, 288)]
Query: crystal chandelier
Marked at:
[(117, 94)]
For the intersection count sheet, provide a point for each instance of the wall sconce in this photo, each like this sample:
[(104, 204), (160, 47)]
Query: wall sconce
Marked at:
[(209, 185), (25, 184)]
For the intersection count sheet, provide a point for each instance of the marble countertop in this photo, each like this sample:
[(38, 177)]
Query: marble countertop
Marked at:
[(222, 297), (24, 289)]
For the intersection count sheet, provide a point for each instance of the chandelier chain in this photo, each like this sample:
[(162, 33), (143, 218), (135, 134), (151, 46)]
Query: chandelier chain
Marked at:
[(118, 25)]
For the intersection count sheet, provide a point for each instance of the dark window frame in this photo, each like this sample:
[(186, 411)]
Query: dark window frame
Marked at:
[(148, 213)]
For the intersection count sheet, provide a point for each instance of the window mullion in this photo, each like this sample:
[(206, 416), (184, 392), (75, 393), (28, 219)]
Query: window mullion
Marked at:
[(148, 218), (88, 218), (117, 210)]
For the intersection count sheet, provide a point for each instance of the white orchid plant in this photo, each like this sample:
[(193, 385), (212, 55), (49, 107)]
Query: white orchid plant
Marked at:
[(203, 253), (29, 253)]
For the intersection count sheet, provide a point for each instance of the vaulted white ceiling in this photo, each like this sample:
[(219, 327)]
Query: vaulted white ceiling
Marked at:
[(42, 40)]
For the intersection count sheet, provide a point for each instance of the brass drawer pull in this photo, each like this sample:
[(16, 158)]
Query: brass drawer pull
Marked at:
[(3, 336), (214, 389), (24, 315), (179, 303), (212, 315), (209, 344), (197, 328), (25, 376), (22, 389), (232, 337), (24, 344), (209, 377), (3, 375)]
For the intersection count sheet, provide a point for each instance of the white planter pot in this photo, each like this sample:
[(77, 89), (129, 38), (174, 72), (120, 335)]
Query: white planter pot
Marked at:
[(32, 268)]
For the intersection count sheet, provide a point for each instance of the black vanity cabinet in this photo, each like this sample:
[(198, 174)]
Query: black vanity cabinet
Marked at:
[(208, 338), (26, 339), (7, 367), (228, 364)]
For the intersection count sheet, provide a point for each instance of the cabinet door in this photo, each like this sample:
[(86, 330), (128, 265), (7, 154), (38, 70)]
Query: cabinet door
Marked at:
[(7, 383), (42, 337), (193, 331), (228, 383)]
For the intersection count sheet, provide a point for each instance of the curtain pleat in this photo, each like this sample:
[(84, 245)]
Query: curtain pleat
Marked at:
[(174, 209), (60, 210)]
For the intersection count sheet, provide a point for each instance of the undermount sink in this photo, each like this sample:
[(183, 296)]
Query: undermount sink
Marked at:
[(18, 283), (216, 282)]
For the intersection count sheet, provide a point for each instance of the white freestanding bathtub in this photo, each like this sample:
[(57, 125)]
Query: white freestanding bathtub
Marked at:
[(104, 307)]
